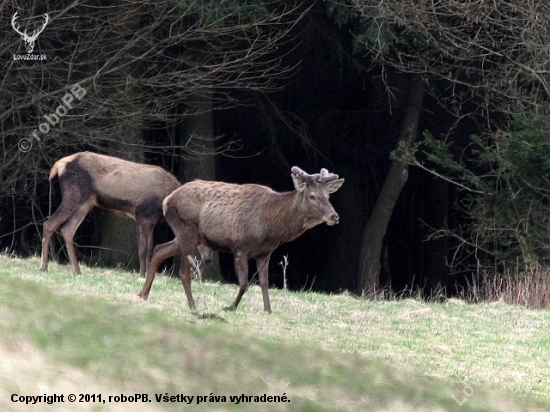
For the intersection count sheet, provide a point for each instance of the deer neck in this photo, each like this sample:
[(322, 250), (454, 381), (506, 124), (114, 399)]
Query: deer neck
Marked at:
[(287, 219)]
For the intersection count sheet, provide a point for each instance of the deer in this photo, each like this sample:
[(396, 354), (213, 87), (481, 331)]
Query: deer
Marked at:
[(123, 188), (248, 220), (29, 40)]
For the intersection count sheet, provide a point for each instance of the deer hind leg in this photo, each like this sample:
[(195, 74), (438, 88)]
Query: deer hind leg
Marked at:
[(146, 227), (263, 264), (69, 229), (241, 267), (188, 240), (169, 249), (68, 207), (185, 277), (160, 254), (50, 226)]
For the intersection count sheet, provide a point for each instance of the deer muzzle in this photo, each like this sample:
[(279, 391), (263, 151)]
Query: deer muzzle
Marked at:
[(333, 219)]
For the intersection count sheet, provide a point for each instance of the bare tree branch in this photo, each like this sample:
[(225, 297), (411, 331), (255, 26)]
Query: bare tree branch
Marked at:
[(99, 67)]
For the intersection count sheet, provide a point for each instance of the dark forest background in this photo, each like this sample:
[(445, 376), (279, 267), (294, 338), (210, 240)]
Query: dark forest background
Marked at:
[(435, 113)]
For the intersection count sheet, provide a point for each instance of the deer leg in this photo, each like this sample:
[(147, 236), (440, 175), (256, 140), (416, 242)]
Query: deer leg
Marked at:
[(74, 197), (69, 229), (241, 267), (160, 254), (186, 241), (185, 277), (146, 228), (263, 264), (50, 226)]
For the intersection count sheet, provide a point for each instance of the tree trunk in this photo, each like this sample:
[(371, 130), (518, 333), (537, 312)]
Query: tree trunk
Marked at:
[(119, 246), (200, 162), (197, 135), (119, 236), (375, 229), (436, 250)]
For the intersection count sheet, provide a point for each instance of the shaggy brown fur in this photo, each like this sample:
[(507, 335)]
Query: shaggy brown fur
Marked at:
[(118, 186), (248, 220)]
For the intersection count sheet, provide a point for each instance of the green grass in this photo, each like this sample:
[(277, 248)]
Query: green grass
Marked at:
[(62, 333)]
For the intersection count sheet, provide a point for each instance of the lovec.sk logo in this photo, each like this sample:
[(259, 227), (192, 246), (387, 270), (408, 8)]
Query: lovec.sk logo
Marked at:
[(29, 40)]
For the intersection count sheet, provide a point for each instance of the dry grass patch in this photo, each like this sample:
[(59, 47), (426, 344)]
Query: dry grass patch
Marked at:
[(24, 370)]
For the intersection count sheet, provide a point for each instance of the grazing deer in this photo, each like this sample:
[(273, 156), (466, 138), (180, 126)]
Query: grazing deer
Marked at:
[(248, 220), (118, 186), (29, 40)]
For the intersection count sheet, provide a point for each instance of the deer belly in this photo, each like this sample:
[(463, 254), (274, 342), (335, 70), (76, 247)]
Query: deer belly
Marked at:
[(228, 235)]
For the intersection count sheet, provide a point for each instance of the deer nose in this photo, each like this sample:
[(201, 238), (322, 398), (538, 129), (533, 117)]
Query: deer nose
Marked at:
[(334, 218)]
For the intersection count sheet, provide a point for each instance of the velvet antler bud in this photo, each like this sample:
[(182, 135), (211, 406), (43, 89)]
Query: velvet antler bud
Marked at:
[(326, 176)]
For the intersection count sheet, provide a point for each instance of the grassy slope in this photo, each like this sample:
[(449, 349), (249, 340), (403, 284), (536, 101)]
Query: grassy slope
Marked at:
[(324, 352)]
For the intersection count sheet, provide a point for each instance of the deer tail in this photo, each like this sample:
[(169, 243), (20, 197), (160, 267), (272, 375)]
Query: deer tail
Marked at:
[(54, 171)]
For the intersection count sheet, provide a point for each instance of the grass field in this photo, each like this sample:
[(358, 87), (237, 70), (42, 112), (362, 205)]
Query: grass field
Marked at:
[(92, 334)]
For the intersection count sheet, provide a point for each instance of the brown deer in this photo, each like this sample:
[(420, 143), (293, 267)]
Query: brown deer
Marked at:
[(248, 220), (118, 186)]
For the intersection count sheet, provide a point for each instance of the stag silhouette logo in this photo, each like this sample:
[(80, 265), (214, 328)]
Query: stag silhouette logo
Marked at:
[(29, 40)]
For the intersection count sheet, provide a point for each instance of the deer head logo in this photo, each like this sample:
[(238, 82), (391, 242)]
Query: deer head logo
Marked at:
[(29, 40)]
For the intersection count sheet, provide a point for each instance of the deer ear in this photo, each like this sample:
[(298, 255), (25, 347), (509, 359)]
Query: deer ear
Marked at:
[(299, 184), (333, 186)]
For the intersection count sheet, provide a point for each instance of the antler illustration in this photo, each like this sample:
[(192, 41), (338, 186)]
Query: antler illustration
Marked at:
[(29, 40)]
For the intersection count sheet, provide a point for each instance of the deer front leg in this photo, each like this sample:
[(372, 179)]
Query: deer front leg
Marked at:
[(263, 265)]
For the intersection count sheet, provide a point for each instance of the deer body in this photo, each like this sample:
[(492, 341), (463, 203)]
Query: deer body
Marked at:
[(248, 220), (261, 219), (118, 186)]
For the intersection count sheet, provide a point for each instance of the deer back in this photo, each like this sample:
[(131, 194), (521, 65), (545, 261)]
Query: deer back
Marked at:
[(120, 186)]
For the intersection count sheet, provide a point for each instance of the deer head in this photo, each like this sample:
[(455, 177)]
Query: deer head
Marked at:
[(29, 40), (315, 189)]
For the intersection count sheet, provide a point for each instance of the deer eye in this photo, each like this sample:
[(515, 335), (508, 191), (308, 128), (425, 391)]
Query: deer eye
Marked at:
[(311, 196)]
